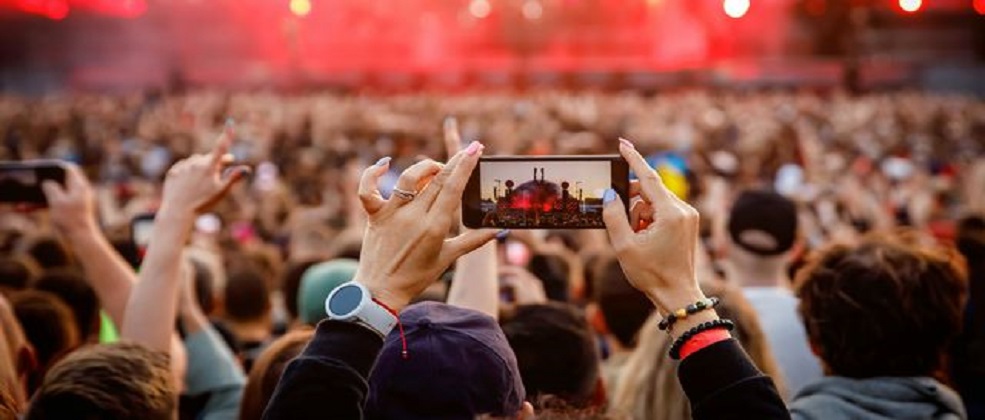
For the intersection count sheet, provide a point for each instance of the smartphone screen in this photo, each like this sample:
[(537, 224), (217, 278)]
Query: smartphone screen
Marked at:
[(20, 182), (543, 192)]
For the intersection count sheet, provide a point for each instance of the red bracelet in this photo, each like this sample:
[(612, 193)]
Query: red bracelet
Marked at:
[(702, 340)]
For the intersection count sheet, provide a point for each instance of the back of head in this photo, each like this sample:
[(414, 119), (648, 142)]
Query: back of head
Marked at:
[(458, 365), (317, 282), (75, 292), (265, 375), (111, 381), (49, 253), (291, 283), (911, 298), (556, 352), (763, 223), (552, 270), (624, 307), (48, 325), (247, 298), (16, 273)]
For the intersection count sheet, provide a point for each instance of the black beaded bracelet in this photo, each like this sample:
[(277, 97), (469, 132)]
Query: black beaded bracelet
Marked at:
[(684, 312), (675, 349)]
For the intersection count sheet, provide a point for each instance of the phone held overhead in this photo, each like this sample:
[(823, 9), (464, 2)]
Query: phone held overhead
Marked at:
[(20, 182)]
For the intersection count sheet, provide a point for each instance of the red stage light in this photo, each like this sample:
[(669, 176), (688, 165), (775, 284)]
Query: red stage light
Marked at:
[(910, 6), (300, 7), (980, 6), (736, 8)]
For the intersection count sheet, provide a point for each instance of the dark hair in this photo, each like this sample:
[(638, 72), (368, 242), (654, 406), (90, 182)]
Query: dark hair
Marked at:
[(204, 284), (113, 381), (624, 307), (555, 351), (247, 297), (16, 273), (883, 307), (552, 270), (48, 325), (49, 253), (265, 375), (75, 292), (291, 283)]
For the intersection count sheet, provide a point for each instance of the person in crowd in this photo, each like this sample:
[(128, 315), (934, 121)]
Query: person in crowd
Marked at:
[(49, 327), (247, 313), (267, 369), (75, 292), (968, 364), (290, 285), (18, 359), (317, 282), (460, 353), (881, 314), (108, 381), (617, 312), (16, 273), (762, 231), (49, 253)]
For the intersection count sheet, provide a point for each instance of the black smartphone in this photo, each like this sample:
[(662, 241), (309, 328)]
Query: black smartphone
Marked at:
[(140, 231), (20, 182), (542, 192)]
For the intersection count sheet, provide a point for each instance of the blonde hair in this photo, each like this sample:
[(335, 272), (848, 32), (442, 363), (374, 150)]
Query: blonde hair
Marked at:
[(648, 387)]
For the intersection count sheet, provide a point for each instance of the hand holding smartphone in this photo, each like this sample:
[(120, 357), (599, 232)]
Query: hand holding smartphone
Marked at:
[(20, 182), (543, 192)]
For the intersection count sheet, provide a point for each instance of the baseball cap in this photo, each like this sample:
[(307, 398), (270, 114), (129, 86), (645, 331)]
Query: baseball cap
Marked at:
[(458, 365), (317, 282), (763, 212)]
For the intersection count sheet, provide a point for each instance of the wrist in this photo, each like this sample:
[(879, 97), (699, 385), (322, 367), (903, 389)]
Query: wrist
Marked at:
[(672, 300), (173, 214), (682, 326), (393, 301)]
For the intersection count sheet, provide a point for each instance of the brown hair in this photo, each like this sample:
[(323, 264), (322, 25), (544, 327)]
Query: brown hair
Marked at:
[(887, 306), (118, 381), (266, 372), (48, 325)]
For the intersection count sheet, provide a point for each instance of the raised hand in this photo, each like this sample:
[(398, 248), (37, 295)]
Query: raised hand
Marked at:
[(72, 207)]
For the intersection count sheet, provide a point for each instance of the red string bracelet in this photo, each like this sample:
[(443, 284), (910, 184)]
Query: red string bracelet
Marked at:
[(400, 327), (702, 340)]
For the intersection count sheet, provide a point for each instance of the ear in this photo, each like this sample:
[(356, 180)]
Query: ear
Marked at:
[(27, 360), (596, 319), (526, 412)]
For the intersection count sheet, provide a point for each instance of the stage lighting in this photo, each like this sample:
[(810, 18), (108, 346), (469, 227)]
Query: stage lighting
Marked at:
[(300, 7), (735, 8), (480, 9), (532, 9), (980, 6), (910, 6)]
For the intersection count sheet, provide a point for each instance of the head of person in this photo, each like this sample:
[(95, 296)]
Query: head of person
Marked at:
[(317, 282), (75, 292), (266, 371), (910, 295), (762, 231), (49, 327), (16, 273), (618, 309), (458, 364), (552, 270), (49, 253), (247, 298), (290, 284), (17, 359), (557, 355), (111, 381), (649, 387)]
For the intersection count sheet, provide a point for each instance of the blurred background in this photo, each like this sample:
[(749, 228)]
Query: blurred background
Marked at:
[(450, 45)]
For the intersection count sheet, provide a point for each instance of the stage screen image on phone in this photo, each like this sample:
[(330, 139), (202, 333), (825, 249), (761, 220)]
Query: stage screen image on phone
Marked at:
[(547, 192)]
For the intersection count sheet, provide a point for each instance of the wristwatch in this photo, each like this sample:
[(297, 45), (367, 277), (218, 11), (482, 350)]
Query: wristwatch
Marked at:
[(352, 302)]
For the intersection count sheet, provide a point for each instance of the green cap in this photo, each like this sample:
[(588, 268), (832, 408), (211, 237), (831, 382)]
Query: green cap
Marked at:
[(317, 282)]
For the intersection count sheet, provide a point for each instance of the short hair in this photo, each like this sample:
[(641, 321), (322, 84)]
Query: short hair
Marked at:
[(49, 252), (292, 283), (16, 273), (74, 291), (204, 290), (624, 307), (552, 270), (266, 371), (247, 297), (48, 325), (883, 307), (556, 352), (114, 381)]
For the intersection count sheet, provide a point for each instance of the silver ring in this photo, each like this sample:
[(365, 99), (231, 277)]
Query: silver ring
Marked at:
[(405, 195)]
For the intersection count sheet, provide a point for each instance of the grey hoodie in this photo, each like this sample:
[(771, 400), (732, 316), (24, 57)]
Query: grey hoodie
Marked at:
[(835, 397)]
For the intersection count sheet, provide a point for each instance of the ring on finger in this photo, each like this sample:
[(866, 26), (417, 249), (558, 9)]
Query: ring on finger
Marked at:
[(404, 194)]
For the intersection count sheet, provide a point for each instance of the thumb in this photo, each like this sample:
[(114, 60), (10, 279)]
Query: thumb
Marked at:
[(467, 242), (53, 192), (233, 175), (616, 221)]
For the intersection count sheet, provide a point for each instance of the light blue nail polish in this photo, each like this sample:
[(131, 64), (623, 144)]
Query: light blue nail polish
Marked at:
[(383, 161), (503, 234), (230, 122), (609, 196)]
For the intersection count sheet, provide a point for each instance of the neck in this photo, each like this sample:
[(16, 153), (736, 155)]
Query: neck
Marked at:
[(250, 330), (751, 271)]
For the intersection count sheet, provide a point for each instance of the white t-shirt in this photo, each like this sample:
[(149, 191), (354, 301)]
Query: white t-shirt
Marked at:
[(776, 308)]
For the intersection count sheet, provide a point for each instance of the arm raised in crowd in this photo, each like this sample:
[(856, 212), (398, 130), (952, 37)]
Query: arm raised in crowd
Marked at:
[(404, 250), (191, 186), (658, 251)]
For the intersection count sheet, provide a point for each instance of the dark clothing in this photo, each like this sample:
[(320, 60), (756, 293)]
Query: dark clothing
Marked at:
[(722, 383), (329, 378)]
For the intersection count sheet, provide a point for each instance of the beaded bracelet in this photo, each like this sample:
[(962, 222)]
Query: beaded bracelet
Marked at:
[(675, 349), (682, 313)]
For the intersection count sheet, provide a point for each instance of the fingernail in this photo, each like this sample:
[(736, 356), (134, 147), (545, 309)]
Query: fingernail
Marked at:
[(473, 148), (609, 196), (383, 161), (503, 234), (627, 143), (230, 122), (449, 120)]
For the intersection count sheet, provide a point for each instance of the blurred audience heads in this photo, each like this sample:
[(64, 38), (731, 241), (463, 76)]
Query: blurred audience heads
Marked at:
[(266, 371), (317, 282), (48, 325), (75, 292)]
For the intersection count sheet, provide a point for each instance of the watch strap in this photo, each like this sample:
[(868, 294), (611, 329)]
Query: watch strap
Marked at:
[(377, 317)]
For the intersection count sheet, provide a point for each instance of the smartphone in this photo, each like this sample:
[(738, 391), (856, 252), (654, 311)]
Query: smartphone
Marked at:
[(140, 231), (542, 192), (20, 182)]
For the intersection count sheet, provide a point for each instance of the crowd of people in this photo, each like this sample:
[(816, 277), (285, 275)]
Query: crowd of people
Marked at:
[(834, 270)]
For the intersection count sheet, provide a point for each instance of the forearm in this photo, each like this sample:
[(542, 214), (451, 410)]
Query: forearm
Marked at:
[(106, 271), (151, 310), (475, 284)]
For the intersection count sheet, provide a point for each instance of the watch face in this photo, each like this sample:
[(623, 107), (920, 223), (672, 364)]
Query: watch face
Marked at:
[(345, 300)]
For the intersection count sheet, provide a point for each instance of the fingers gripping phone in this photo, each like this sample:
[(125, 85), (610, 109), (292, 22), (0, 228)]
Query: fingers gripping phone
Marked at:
[(543, 192), (20, 182)]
